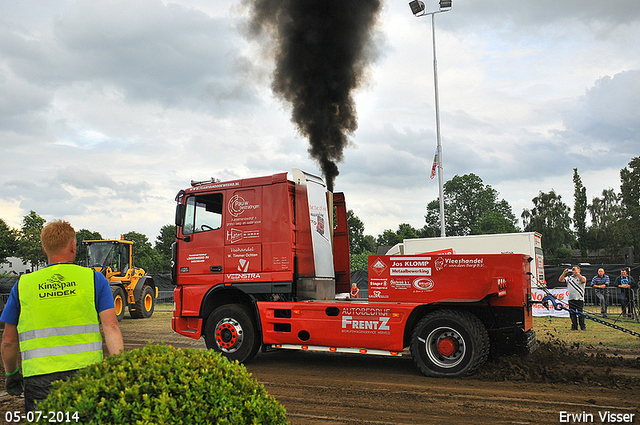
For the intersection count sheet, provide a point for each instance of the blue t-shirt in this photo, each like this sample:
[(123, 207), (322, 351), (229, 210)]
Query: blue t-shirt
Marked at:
[(104, 299)]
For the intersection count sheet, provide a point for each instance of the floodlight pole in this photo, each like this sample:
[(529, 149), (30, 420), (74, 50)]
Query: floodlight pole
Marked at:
[(439, 140), (437, 106)]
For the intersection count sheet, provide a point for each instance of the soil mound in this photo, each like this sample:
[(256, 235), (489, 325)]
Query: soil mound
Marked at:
[(556, 362)]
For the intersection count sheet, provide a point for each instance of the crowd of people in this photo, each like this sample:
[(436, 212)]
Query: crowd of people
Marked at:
[(601, 283)]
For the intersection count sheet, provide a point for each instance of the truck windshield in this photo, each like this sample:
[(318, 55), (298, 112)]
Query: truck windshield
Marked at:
[(203, 213)]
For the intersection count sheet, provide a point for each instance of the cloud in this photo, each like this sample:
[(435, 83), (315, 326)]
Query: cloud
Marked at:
[(540, 15), (94, 182), (146, 50), (21, 106), (108, 108), (608, 113)]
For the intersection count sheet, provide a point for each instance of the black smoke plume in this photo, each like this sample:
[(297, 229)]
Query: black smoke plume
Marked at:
[(322, 49)]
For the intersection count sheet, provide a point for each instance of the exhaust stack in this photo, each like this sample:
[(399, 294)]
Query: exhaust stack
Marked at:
[(317, 282)]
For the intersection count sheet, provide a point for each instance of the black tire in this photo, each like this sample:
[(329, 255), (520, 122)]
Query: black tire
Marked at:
[(231, 330), (119, 301), (145, 304), (449, 343)]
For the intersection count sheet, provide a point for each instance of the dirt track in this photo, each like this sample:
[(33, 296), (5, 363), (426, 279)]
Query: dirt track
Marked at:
[(321, 388), (324, 388)]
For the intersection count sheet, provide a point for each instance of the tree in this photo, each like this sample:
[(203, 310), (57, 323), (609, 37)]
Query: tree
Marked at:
[(406, 231), (391, 238), (143, 253), (580, 211), (608, 227), (369, 244), (356, 233), (360, 245), (164, 241), (470, 209), (493, 222), (8, 241), (85, 235), (29, 245), (360, 261), (630, 193), (388, 238), (549, 217)]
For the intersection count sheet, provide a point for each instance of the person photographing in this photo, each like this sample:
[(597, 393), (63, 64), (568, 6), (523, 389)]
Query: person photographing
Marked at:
[(575, 287)]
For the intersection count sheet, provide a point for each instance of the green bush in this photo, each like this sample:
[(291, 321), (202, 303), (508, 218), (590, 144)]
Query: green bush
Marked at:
[(163, 385)]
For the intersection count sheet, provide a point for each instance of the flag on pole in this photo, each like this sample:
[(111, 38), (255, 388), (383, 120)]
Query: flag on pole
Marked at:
[(435, 164)]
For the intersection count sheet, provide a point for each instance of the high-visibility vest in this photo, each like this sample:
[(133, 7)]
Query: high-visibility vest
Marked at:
[(58, 326)]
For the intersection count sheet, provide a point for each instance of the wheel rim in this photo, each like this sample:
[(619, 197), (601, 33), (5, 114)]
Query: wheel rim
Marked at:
[(229, 335), (148, 302), (445, 347), (118, 305)]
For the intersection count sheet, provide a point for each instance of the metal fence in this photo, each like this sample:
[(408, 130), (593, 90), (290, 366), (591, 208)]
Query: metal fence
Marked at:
[(164, 302), (592, 304)]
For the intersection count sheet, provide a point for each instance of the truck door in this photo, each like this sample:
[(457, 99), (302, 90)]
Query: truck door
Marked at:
[(243, 224), (201, 249)]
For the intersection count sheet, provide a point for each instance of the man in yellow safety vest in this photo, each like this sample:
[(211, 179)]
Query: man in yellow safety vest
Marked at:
[(52, 319)]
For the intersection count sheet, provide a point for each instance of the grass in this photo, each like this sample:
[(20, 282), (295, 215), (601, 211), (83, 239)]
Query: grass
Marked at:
[(558, 328)]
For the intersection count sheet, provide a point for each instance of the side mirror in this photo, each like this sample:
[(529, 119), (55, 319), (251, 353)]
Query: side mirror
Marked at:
[(180, 209)]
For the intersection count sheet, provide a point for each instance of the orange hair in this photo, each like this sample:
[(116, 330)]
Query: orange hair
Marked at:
[(56, 236)]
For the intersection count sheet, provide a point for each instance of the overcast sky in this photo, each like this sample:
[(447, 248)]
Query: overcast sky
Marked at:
[(109, 108)]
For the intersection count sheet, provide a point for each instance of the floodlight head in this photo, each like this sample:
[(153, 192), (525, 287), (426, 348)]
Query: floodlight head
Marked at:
[(445, 4), (416, 7)]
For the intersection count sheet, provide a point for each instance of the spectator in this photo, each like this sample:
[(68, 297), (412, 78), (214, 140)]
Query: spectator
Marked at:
[(575, 287), (354, 290), (626, 285), (601, 284)]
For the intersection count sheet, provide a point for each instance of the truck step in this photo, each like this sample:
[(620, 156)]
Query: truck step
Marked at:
[(337, 349)]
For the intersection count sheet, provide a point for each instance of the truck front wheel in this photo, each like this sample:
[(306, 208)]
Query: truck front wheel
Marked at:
[(449, 343), (118, 301), (145, 304), (230, 330)]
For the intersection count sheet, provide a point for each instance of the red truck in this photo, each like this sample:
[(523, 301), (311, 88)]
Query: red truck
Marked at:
[(258, 263)]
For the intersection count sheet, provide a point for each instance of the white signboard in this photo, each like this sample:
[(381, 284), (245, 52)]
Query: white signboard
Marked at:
[(561, 294)]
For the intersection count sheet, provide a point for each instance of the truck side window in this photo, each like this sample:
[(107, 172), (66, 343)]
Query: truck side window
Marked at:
[(203, 213)]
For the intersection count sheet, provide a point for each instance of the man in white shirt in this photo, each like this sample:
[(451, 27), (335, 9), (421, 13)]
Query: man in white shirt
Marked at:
[(575, 286)]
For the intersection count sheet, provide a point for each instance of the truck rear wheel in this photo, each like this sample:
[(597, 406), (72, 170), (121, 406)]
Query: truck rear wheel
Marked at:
[(118, 301), (145, 304), (449, 343), (231, 330)]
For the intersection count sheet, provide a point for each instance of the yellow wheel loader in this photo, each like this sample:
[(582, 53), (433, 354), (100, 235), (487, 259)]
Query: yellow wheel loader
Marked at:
[(130, 286)]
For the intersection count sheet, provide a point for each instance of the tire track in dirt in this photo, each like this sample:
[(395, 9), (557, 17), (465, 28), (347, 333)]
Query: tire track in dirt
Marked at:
[(328, 388)]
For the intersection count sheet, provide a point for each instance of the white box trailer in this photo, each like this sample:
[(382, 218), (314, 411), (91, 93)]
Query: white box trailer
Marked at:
[(529, 243)]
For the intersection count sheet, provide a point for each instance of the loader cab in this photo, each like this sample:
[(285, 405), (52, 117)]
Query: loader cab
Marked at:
[(112, 257)]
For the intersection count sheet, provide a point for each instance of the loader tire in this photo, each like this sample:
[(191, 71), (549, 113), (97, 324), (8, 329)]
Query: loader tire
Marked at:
[(145, 304), (119, 301), (449, 343), (231, 331)]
